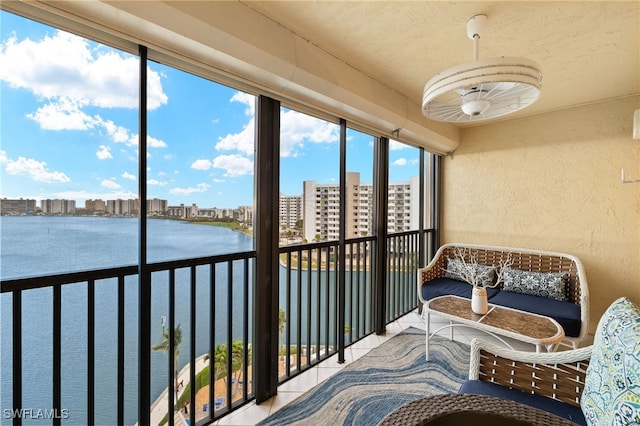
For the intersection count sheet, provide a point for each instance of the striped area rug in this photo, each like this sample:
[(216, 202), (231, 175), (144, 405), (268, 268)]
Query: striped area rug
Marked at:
[(368, 389)]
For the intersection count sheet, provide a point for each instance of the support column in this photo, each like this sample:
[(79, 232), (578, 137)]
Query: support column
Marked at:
[(267, 179)]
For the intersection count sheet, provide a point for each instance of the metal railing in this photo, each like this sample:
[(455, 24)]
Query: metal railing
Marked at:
[(205, 310)]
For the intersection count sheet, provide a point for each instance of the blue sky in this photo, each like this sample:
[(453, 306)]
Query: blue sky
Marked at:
[(69, 129)]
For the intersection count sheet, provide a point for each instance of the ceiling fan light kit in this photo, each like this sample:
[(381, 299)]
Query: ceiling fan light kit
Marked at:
[(483, 88)]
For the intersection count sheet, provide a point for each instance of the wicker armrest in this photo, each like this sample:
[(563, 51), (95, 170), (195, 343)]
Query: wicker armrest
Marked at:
[(557, 375)]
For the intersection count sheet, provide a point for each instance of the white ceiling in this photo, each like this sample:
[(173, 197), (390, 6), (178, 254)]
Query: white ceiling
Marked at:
[(588, 51)]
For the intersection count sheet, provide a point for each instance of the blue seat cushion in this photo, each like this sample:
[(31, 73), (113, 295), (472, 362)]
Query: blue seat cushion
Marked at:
[(560, 409), (449, 286), (566, 313)]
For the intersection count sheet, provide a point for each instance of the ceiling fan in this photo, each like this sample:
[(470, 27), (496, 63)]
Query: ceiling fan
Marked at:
[(481, 89)]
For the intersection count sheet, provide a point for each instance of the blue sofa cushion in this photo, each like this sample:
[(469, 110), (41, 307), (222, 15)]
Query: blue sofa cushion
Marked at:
[(560, 409), (447, 286), (566, 313)]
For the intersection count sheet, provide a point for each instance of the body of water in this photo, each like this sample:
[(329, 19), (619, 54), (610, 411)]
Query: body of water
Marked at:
[(42, 245)]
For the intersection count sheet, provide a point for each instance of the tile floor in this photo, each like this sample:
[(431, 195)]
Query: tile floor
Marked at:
[(252, 413)]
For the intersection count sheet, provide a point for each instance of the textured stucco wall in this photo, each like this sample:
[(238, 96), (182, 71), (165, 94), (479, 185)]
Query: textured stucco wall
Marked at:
[(552, 182)]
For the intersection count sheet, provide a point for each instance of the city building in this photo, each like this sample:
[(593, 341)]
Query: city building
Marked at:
[(17, 207), (95, 205), (321, 208), (58, 206), (157, 207), (290, 210)]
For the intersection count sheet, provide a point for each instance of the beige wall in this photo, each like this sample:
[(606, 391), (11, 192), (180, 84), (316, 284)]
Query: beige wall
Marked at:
[(552, 182)]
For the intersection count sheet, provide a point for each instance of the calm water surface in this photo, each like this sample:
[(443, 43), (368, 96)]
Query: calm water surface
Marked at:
[(40, 245)]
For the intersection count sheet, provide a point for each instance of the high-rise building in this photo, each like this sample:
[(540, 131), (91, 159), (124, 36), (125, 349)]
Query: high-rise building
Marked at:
[(58, 206), (17, 207), (156, 206), (290, 210), (321, 208), (95, 205)]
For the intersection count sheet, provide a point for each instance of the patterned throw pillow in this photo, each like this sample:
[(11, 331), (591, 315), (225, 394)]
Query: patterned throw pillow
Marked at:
[(545, 284), (611, 394), (456, 267)]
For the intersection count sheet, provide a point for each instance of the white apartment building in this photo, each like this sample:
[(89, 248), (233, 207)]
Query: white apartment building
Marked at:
[(58, 206), (156, 206), (321, 208), (122, 207), (290, 210), (245, 214)]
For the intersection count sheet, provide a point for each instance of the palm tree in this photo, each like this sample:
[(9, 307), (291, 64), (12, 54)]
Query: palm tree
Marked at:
[(164, 346), (282, 320), (220, 364)]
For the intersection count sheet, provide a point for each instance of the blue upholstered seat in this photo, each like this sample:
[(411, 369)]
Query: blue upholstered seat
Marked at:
[(447, 286), (569, 412), (566, 313)]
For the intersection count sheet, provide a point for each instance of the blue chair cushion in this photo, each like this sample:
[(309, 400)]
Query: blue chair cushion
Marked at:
[(560, 409), (448, 286), (566, 313)]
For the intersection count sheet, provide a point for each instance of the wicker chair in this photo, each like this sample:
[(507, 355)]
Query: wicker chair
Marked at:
[(594, 385), (523, 259), (558, 375)]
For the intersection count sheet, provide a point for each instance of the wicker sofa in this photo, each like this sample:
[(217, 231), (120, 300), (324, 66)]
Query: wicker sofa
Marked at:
[(572, 314), (594, 385)]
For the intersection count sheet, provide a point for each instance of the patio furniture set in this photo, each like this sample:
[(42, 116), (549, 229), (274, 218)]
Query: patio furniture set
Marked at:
[(594, 385)]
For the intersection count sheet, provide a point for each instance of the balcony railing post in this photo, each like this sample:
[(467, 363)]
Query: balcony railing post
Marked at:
[(17, 354)]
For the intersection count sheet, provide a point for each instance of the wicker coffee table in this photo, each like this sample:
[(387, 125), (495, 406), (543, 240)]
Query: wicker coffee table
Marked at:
[(466, 409), (499, 321)]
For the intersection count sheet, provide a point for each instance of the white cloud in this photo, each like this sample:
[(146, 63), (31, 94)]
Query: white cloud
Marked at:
[(62, 115), (117, 133), (133, 139), (155, 182), (404, 162), (36, 170), (68, 73), (248, 100), (297, 128), (104, 153), (201, 187), (244, 140), (155, 143), (110, 184), (395, 145), (65, 66), (234, 165), (216, 180), (128, 176), (3, 156), (202, 164)]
